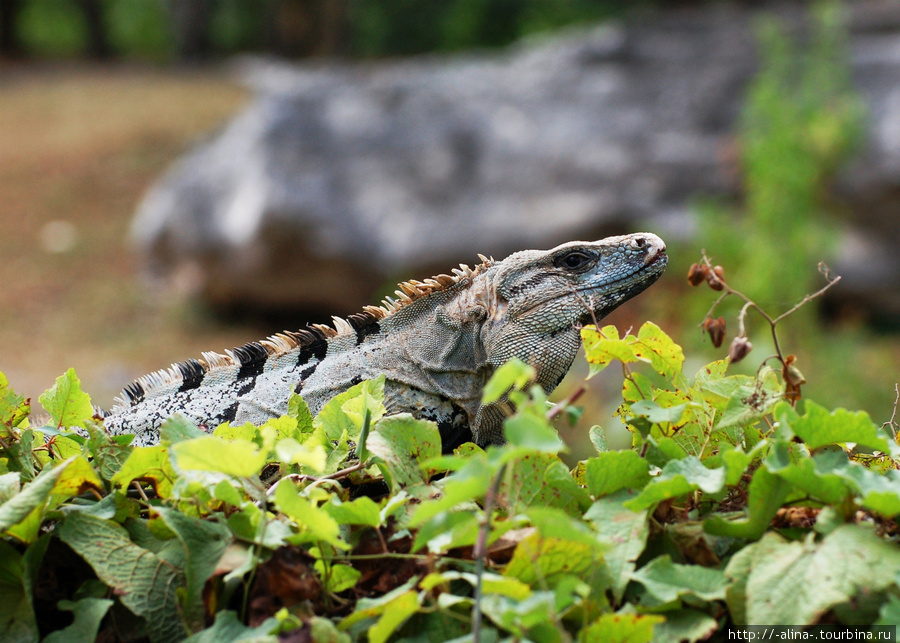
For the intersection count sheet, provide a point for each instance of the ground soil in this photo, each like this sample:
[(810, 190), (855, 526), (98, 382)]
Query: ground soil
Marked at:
[(79, 145)]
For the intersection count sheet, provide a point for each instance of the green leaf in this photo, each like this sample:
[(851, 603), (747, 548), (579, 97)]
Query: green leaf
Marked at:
[(815, 476), (66, 403), (149, 464), (879, 492), (796, 583), (204, 544), (767, 492), (531, 432), (17, 619), (344, 412), (14, 409), (598, 438), (402, 443), (656, 413), (360, 511), (145, 584), (686, 625), (608, 472), (514, 374), (654, 346), (299, 410), (339, 577), (626, 530), (817, 428), (544, 559), (315, 524), (178, 428), (211, 453), (620, 628), (229, 629), (465, 486), (679, 477), (603, 346), (88, 613), (667, 582)]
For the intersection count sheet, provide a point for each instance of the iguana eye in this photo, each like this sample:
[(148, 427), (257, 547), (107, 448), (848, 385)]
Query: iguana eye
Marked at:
[(574, 260)]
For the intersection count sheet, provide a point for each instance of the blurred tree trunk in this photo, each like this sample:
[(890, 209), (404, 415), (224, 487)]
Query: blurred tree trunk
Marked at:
[(190, 24), (97, 44), (9, 41), (305, 28)]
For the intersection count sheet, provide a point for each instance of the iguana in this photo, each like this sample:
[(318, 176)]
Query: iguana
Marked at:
[(437, 344)]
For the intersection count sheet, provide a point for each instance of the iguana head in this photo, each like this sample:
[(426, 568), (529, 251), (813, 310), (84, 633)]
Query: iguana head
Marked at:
[(578, 282)]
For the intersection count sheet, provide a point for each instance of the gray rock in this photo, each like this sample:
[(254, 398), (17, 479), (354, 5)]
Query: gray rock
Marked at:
[(339, 177)]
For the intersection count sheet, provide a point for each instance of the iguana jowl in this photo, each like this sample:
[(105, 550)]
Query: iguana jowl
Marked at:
[(437, 344)]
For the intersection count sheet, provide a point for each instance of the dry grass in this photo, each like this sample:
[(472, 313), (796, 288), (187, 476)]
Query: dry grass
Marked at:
[(80, 145)]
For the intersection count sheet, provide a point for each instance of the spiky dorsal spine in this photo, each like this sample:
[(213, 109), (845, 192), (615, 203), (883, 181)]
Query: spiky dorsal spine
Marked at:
[(251, 355)]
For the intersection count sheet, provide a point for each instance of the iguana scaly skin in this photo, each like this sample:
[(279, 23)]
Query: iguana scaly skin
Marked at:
[(437, 344)]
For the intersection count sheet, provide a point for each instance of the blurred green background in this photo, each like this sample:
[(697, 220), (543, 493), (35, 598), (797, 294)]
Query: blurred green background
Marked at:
[(96, 101)]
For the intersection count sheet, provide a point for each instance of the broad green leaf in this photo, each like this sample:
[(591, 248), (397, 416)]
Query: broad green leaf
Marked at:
[(620, 628), (368, 608), (289, 451), (402, 443), (679, 477), (531, 432), (817, 427), (108, 456), (178, 428), (315, 524), (394, 614), (148, 464), (626, 530), (17, 619), (204, 544), (656, 413), (145, 584), (667, 582), (686, 625), (879, 492), (539, 559), (654, 346), (299, 410), (66, 479), (468, 484), (796, 583), (540, 479), (767, 492), (554, 523), (88, 613), (360, 511), (344, 412), (613, 470), (448, 530), (14, 409), (514, 374), (211, 453), (815, 476), (247, 431), (339, 577), (66, 403), (229, 629), (603, 346)]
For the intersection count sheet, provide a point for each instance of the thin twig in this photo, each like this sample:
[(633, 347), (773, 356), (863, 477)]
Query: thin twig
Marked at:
[(479, 552), (558, 408), (302, 477), (892, 424), (140, 490)]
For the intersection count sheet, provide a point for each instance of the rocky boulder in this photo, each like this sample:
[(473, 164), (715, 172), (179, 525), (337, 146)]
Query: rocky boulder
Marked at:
[(339, 177)]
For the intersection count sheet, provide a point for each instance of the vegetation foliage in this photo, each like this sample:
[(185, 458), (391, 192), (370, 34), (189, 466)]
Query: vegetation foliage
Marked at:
[(733, 507)]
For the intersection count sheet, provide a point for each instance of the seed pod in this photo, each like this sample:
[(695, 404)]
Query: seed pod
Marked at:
[(793, 378), (740, 346), (716, 277), (716, 330), (697, 274)]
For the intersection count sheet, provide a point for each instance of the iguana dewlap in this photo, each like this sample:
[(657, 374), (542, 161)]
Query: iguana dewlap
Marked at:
[(437, 344)]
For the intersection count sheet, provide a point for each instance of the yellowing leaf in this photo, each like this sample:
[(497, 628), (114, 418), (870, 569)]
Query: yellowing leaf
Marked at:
[(210, 453)]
